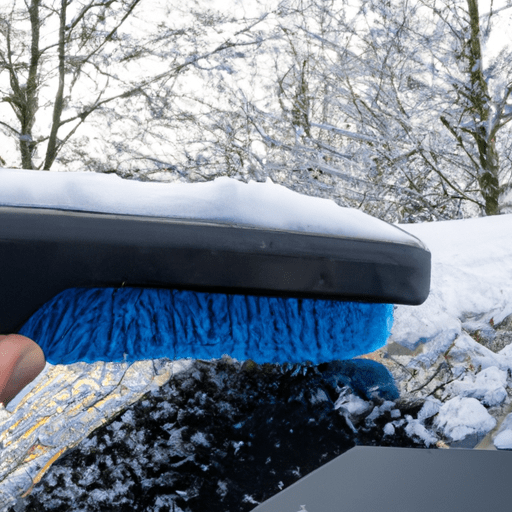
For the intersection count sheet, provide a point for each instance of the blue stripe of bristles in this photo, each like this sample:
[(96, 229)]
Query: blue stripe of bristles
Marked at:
[(116, 324)]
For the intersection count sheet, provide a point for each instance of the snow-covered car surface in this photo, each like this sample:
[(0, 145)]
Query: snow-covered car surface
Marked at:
[(223, 200)]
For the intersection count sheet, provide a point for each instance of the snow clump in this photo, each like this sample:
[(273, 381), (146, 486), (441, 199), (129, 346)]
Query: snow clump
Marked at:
[(463, 416)]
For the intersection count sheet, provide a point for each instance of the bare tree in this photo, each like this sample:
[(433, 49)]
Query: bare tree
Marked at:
[(424, 69), (395, 110), (482, 113), (95, 56)]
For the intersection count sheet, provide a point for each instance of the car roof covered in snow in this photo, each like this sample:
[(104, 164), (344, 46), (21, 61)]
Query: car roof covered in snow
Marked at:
[(223, 200)]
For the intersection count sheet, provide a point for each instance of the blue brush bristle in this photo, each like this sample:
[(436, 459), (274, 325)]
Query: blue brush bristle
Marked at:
[(116, 324)]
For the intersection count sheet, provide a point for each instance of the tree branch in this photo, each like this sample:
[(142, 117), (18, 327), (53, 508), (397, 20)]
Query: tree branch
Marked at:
[(16, 132), (459, 139), (109, 36)]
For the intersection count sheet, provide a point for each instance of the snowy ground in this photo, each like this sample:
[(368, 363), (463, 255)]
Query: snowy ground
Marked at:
[(454, 350), (230, 434)]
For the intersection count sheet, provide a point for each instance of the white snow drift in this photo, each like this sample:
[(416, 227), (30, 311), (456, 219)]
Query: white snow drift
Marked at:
[(221, 200)]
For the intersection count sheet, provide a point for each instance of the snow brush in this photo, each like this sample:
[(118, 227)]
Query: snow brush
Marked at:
[(95, 267)]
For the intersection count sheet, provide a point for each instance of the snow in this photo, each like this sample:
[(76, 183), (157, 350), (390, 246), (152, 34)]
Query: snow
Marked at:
[(471, 291), (351, 404), (467, 350), (471, 280), (221, 200), (416, 428), (488, 386), (460, 417), (503, 439)]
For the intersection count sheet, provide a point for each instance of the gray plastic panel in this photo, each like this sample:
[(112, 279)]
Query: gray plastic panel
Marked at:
[(383, 479), (43, 252)]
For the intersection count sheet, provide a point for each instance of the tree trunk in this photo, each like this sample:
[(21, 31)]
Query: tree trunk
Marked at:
[(479, 98), (300, 109), (52, 149), (27, 95), (488, 179)]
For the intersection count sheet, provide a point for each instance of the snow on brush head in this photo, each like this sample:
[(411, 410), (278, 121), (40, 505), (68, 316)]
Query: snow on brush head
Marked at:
[(221, 200)]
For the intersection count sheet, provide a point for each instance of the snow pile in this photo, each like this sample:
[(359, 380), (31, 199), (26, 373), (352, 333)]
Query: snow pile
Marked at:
[(448, 340), (471, 280), (466, 350), (221, 200), (503, 439), (460, 417), (488, 386)]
